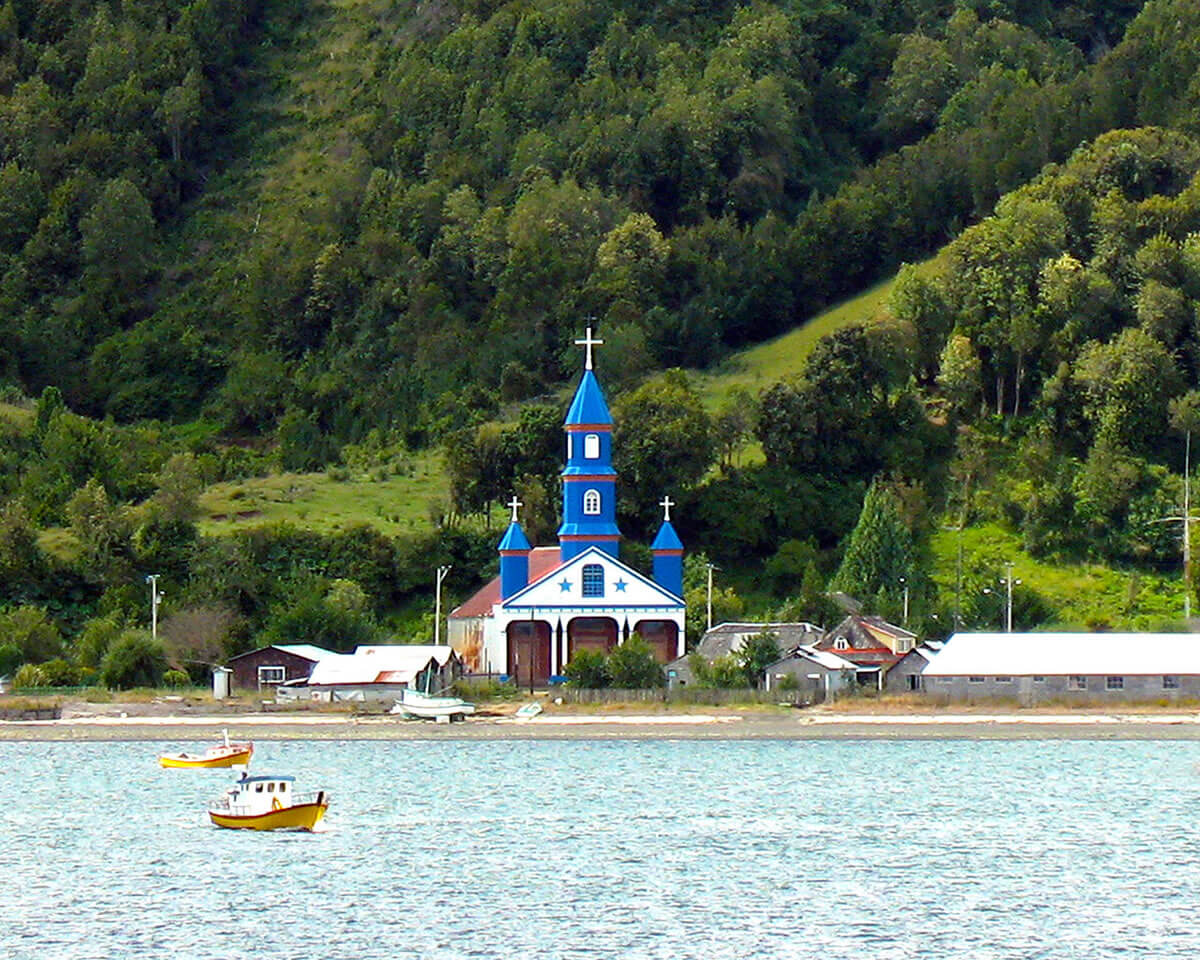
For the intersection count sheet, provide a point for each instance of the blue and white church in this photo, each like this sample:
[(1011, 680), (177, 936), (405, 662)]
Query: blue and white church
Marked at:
[(551, 602)]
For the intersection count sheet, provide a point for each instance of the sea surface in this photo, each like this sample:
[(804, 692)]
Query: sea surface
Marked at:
[(579, 849)]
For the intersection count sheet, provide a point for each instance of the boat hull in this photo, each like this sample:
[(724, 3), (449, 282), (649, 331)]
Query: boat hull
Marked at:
[(303, 816), (181, 761)]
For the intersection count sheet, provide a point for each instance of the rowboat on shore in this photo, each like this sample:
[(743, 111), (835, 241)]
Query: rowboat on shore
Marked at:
[(219, 755), (268, 803)]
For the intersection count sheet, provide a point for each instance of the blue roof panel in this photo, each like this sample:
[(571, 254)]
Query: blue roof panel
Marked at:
[(589, 405), (514, 538), (667, 538)]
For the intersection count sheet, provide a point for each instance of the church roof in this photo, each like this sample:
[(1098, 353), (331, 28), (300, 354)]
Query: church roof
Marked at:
[(514, 538), (667, 538), (541, 561), (589, 405)]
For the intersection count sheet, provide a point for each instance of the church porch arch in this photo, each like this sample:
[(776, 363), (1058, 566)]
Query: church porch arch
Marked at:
[(662, 637), (529, 652), (591, 633)]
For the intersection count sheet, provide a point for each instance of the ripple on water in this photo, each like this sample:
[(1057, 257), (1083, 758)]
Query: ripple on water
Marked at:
[(582, 849)]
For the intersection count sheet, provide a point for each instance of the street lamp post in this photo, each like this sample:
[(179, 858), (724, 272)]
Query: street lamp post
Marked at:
[(711, 568), (904, 584), (437, 609), (1008, 582), (155, 600)]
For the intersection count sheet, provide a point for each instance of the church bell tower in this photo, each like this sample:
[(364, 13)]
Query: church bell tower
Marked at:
[(589, 480)]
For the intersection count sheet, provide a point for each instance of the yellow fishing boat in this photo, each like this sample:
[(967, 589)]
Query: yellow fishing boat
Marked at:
[(268, 803), (221, 755)]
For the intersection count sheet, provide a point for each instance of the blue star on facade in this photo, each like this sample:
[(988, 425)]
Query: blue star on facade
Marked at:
[(620, 585), (564, 585)]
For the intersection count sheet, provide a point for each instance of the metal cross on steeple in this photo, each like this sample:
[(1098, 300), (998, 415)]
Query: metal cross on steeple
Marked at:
[(666, 503), (514, 503), (588, 342)]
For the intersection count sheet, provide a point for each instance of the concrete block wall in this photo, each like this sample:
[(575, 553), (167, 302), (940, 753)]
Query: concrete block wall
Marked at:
[(1135, 688)]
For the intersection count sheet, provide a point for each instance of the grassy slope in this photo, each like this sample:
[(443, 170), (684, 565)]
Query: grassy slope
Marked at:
[(1085, 595), (766, 363)]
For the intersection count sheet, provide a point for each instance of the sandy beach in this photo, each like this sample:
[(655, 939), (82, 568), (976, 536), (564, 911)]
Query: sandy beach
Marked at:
[(137, 722)]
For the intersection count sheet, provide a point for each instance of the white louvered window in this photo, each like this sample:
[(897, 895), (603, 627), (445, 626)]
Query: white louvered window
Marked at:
[(591, 446)]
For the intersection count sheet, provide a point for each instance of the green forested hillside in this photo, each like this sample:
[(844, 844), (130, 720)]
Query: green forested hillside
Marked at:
[(359, 236)]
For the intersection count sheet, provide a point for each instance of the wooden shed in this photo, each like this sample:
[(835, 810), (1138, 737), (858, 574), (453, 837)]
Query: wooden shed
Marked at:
[(267, 667)]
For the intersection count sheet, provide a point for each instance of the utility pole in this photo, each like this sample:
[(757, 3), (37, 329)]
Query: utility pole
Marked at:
[(711, 568), (155, 600), (437, 610), (904, 583), (1008, 605)]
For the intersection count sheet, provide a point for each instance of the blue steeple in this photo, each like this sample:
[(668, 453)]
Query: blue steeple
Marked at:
[(668, 554), (589, 406), (514, 556), (589, 480)]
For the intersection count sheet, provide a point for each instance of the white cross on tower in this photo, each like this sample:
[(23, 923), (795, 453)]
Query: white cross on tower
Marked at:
[(588, 342), (666, 503), (514, 503)]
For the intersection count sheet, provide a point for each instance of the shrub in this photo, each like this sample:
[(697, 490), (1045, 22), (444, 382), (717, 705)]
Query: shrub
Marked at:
[(133, 661), (176, 679), (59, 673), (29, 676), (588, 670), (632, 666)]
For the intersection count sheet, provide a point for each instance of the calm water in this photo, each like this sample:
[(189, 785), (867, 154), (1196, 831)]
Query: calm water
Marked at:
[(612, 849)]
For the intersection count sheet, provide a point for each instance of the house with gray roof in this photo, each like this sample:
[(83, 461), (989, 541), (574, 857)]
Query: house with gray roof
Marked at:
[(728, 638)]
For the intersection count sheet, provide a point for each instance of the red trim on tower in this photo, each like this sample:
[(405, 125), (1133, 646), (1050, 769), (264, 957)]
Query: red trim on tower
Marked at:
[(589, 477), (575, 537), (668, 553), (517, 553), (588, 428)]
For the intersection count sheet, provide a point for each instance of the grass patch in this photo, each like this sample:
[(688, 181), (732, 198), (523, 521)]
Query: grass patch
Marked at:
[(1083, 596)]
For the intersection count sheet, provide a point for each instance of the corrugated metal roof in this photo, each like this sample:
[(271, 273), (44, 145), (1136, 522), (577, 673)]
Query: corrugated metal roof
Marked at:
[(306, 650), (1066, 654), (398, 662), (541, 561), (830, 661)]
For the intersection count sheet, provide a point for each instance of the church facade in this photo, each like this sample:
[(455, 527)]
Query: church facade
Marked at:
[(550, 603)]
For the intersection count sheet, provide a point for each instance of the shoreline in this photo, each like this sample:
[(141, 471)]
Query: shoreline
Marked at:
[(709, 726)]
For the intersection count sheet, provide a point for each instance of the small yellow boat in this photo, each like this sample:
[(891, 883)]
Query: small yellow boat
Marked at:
[(268, 803), (221, 755)]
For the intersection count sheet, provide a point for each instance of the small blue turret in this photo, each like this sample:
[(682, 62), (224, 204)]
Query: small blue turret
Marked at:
[(668, 558), (514, 556)]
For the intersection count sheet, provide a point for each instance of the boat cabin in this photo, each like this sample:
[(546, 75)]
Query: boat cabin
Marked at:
[(254, 795)]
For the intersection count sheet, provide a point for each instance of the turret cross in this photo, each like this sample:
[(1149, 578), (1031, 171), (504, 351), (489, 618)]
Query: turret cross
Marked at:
[(589, 342), (666, 503), (514, 503)]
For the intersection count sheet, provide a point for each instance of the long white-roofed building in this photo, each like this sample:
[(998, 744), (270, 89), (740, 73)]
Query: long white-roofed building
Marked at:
[(1034, 667)]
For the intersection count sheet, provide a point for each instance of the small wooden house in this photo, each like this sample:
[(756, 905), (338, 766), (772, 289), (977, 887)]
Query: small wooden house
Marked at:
[(264, 669)]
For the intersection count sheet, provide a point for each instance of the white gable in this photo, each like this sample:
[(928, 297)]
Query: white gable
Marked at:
[(621, 586)]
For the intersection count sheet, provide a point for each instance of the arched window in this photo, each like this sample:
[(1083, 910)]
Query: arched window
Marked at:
[(841, 644), (591, 503), (591, 446), (593, 580)]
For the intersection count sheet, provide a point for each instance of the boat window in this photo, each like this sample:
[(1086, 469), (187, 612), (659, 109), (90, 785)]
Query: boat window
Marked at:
[(258, 788), (282, 787), (270, 788)]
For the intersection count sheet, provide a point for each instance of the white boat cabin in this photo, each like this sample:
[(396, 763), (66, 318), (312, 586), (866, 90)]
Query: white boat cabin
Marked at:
[(252, 796)]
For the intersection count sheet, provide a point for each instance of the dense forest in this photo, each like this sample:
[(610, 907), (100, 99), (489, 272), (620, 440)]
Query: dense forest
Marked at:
[(194, 293)]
